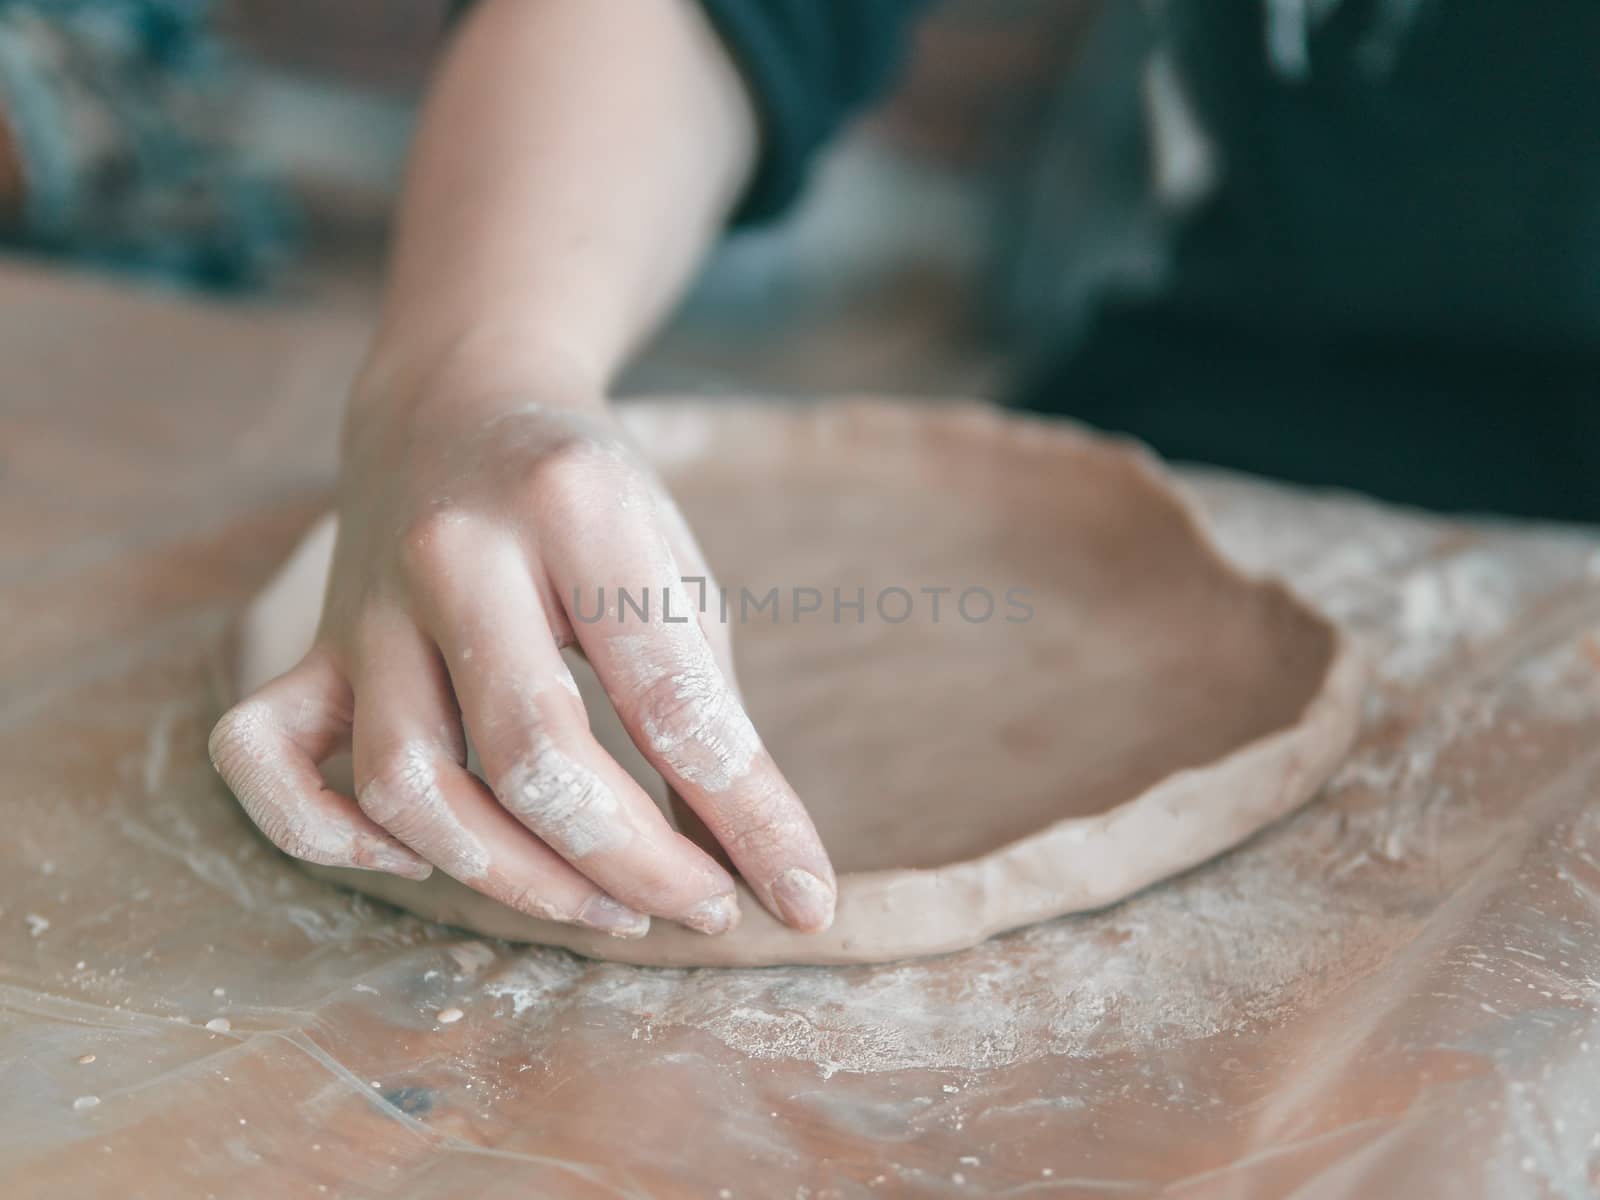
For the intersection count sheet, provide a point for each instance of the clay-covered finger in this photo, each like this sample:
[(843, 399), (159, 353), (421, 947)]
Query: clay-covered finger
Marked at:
[(684, 713), (700, 582), (267, 749), (698, 579), (410, 779), (521, 710)]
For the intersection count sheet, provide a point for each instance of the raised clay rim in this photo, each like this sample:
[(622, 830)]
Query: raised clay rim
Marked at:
[(1072, 865)]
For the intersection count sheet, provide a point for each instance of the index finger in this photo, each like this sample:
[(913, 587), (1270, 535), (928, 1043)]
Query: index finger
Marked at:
[(685, 716)]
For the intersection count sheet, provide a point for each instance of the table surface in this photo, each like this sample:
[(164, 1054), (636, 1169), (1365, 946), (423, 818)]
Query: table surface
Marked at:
[(1394, 990)]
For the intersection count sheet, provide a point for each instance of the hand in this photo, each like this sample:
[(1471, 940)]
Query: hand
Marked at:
[(472, 532)]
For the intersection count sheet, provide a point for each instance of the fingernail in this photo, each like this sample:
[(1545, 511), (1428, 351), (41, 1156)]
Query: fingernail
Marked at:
[(606, 915), (381, 856), (803, 900), (716, 915)]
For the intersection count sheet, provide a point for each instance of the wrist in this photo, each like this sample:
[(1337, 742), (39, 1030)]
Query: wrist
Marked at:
[(481, 370)]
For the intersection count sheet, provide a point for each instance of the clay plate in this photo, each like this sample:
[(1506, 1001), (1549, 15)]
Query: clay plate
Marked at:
[(1152, 709)]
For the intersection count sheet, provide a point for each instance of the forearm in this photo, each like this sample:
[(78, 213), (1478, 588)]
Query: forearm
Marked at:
[(575, 160)]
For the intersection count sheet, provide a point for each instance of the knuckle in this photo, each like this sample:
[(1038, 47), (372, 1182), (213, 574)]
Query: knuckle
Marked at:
[(676, 708), (243, 748), (567, 459), (566, 472), (761, 836), (658, 883), (696, 724), (562, 800), (765, 820), (431, 542), (399, 787), (237, 738), (511, 732)]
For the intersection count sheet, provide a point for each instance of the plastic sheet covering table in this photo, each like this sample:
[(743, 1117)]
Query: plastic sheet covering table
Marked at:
[(1393, 993)]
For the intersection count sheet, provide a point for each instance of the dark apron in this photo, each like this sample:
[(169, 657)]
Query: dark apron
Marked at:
[(1396, 285)]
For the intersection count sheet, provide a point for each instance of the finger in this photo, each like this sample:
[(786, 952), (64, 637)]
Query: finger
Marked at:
[(706, 594), (698, 580), (408, 761), (267, 748), (529, 728), (683, 712)]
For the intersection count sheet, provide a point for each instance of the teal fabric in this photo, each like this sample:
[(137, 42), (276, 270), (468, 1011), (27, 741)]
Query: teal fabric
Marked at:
[(1396, 287), (811, 67), (123, 114)]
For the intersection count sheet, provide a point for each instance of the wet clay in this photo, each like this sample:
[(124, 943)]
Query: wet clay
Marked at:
[(1005, 668)]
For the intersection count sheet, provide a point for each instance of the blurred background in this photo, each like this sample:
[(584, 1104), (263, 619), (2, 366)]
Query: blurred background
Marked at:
[(907, 268), (1335, 242)]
